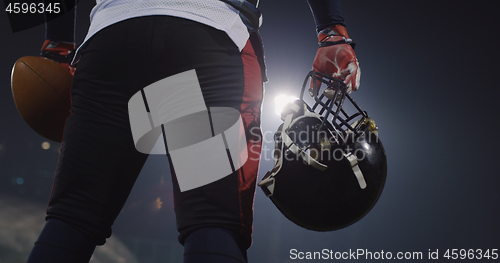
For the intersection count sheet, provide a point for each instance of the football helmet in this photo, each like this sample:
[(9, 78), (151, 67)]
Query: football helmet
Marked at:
[(330, 166)]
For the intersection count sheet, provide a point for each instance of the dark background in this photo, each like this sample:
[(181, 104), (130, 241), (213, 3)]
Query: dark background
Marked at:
[(429, 79)]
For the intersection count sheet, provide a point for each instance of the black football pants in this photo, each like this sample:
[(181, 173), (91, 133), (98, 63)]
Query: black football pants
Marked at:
[(99, 164)]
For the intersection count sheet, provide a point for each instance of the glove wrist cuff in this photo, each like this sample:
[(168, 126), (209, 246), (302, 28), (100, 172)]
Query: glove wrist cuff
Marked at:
[(58, 46), (335, 30)]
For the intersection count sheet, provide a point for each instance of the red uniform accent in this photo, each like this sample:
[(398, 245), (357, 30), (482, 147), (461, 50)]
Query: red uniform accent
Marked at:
[(250, 113)]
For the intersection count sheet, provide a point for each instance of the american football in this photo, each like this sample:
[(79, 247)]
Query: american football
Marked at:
[(41, 92)]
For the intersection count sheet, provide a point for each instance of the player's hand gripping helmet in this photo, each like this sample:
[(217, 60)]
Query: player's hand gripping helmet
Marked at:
[(330, 166)]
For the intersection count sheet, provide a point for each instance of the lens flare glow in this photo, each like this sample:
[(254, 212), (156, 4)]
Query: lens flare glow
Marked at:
[(280, 101), (45, 145)]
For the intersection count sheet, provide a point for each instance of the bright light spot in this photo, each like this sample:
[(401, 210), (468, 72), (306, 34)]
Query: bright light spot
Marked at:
[(159, 203), (45, 145), (280, 102), (20, 180)]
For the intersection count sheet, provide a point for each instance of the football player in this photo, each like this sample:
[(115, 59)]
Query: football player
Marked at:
[(130, 45)]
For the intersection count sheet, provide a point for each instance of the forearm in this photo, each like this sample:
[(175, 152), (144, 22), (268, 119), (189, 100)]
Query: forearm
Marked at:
[(62, 28), (326, 13)]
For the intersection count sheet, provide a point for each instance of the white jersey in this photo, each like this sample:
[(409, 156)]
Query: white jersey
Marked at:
[(214, 13)]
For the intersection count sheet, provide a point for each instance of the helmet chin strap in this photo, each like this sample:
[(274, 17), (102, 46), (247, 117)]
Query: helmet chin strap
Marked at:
[(353, 160)]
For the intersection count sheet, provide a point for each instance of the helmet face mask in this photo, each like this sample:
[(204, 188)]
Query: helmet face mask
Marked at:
[(330, 166)]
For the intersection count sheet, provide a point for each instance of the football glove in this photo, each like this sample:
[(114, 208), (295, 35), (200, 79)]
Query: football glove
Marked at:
[(60, 52), (335, 57)]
